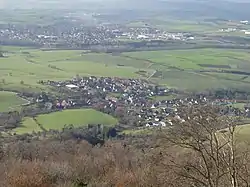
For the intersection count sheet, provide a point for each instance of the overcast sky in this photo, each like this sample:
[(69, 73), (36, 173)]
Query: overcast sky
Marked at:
[(77, 3)]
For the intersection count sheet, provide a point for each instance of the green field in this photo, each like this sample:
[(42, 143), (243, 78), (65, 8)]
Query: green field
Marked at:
[(174, 68), (243, 133), (172, 24), (10, 101), (193, 58), (30, 16), (182, 68), (32, 65), (57, 120), (238, 105), (28, 126)]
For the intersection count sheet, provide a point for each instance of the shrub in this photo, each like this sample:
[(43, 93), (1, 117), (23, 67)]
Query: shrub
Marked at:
[(27, 174)]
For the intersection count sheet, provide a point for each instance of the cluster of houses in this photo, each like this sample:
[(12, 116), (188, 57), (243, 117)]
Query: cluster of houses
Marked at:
[(237, 28), (67, 35), (163, 113), (147, 33), (134, 96), (108, 93), (131, 89), (78, 35)]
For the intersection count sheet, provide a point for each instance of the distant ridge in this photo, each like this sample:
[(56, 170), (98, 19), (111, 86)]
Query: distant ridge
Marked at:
[(223, 9)]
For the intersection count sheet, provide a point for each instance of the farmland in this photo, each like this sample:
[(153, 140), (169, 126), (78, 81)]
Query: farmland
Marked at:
[(31, 65), (28, 126), (22, 68), (10, 101), (57, 120), (242, 133), (192, 59), (181, 68)]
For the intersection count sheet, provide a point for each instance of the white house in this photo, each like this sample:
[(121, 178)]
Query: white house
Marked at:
[(71, 86), (244, 21), (163, 124), (142, 37)]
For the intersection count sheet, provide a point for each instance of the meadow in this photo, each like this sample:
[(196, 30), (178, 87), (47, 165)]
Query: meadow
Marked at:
[(198, 69), (9, 101), (193, 69), (22, 68), (242, 133), (57, 120)]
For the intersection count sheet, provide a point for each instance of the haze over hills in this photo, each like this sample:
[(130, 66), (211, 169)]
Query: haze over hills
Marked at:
[(230, 9)]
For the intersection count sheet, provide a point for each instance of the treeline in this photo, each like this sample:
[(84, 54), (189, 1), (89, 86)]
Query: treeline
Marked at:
[(230, 94), (129, 46), (148, 46), (20, 43), (193, 153)]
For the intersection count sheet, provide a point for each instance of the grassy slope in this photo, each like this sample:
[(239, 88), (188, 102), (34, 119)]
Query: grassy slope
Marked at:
[(191, 58), (188, 61), (57, 120), (76, 117), (9, 101), (243, 133), (28, 126), (34, 66)]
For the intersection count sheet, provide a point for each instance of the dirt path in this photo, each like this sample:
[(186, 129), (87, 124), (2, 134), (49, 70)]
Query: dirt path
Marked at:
[(152, 75)]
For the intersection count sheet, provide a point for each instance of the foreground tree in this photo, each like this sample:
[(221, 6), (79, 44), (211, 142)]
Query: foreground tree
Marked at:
[(209, 157)]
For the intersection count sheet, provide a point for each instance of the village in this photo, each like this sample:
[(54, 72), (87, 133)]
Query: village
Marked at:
[(135, 103), (77, 35), (131, 99)]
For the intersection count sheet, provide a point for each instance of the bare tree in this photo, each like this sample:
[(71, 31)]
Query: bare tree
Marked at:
[(210, 157)]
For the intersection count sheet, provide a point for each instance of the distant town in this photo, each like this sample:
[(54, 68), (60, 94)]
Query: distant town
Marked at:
[(80, 36)]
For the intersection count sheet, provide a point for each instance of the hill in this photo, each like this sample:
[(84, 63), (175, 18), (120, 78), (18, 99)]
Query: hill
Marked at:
[(224, 9)]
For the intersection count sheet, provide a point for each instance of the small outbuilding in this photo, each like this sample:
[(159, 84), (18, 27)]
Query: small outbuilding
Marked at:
[(71, 86)]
